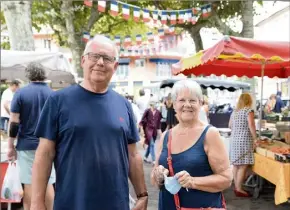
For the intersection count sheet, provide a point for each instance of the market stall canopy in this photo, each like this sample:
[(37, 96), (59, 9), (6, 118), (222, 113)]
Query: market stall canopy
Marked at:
[(211, 83), (238, 56), (13, 64)]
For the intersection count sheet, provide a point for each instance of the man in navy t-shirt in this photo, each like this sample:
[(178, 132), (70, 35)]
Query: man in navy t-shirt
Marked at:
[(25, 110), (89, 132)]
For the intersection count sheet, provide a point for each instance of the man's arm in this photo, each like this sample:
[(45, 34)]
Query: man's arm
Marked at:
[(136, 172), (44, 157), (12, 133), (6, 106)]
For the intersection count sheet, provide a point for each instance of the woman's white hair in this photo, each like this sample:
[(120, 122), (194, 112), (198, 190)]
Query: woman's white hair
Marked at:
[(101, 39), (191, 85)]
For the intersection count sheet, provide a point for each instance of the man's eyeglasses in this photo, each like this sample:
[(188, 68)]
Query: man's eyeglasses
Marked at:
[(94, 57)]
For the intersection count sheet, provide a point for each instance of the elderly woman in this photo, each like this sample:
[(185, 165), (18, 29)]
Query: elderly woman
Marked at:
[(243, 137), (194, 154)]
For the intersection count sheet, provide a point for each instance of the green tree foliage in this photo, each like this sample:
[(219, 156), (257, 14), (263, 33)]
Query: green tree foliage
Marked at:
[(69, 19)]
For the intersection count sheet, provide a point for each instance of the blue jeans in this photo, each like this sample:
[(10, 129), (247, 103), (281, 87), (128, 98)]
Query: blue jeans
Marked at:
[(4, 123), (150, 150)]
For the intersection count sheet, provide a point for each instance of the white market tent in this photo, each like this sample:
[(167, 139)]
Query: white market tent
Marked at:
[(13, 64)]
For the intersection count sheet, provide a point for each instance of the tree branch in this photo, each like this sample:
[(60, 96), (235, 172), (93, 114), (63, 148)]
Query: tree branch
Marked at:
[(110, 27), (223, 27), (95, 16)]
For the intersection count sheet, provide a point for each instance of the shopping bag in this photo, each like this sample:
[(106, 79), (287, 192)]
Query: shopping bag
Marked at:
[(12, 188), (132, 202)]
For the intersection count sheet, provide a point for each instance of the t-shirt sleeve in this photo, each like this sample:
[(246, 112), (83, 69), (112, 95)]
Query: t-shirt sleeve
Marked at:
[(16, 103), (47, 126), (133, 135)]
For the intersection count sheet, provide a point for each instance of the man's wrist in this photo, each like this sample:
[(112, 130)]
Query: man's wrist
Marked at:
[(143, 194)]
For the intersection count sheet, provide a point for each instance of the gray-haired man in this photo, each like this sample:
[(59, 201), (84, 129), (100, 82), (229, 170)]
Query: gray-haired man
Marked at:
[(26, 106)]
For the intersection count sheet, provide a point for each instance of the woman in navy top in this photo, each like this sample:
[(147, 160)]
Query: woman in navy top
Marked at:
[(196, 153)]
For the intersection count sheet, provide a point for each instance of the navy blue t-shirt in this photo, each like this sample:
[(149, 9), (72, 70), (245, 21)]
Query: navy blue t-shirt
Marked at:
[(28, 102), (91, 132)]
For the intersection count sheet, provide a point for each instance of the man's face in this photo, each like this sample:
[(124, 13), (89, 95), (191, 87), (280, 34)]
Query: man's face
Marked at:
[(14, 88), (99, 64)]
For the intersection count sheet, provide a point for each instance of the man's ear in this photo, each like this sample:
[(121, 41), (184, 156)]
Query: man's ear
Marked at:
[(82, 61), (116, 66)]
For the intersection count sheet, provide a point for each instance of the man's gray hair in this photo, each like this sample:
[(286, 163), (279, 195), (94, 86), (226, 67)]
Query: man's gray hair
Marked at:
[(101, 39), (191, 85), (35, 72)]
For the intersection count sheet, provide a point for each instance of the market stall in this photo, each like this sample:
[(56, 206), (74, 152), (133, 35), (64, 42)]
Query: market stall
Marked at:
[(246, 57), (58, 69)]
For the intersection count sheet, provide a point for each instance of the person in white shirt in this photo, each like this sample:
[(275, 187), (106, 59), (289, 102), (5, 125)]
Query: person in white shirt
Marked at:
[(6, 99), (142, 102), (135, 109), (203, 114)]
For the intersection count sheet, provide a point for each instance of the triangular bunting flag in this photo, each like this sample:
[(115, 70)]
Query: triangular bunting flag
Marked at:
[(155, 16), (88, 3), (146, 15), (102, 6), (181, 17), (114, 8), (164, 17), (136, 14), (138, 39), (126, 11), (173, 18), (86, 36)]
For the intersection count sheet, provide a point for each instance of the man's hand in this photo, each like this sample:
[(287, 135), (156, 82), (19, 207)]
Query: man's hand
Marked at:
[(141, 204), (11, 154)]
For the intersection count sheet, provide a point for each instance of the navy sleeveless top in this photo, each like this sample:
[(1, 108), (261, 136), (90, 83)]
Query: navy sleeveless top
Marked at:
[(193, 160)]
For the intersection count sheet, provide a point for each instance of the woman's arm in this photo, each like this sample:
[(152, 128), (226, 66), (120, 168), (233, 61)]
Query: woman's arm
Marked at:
[(252, 126), (219, 163)]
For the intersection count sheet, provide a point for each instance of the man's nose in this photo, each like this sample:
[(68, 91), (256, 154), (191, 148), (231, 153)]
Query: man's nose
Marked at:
[(100, 61)]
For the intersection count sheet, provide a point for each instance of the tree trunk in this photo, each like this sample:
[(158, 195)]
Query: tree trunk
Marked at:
[(18, 19), (248, 32), (195, 35), (74, 39), (248, 19)]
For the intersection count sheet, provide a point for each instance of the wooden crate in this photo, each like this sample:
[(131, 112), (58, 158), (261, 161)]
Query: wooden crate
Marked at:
[(261, 151)]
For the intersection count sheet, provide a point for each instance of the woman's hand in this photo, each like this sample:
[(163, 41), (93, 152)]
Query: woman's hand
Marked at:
[(158, 174), (184, 179)]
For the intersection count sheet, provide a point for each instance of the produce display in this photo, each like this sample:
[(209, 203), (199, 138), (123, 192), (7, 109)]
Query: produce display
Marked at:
[(281, 150)]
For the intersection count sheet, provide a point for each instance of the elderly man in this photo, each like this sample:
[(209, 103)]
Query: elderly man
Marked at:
[(88, 130), (25, 111)]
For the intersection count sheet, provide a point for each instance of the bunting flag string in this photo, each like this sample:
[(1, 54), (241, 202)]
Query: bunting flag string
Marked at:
[(167, 40), (165, 16)]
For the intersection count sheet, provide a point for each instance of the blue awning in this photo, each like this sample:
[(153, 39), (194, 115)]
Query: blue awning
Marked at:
[(161, 60), (124, 61)]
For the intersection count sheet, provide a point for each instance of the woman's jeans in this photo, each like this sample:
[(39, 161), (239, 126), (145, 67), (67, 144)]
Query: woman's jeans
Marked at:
[(150, 150)]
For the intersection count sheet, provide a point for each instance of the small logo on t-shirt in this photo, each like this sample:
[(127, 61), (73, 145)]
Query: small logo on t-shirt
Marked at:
[(121, 119)]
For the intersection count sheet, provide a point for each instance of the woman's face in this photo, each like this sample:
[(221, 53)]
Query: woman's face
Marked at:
[(187, 106)]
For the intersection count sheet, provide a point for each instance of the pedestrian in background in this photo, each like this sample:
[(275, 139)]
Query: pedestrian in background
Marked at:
[(6, 99), (26, 107), (151, 124), (243, 138)]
